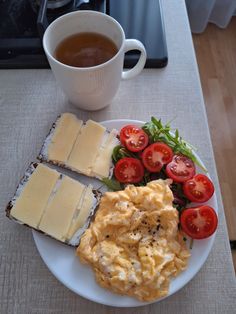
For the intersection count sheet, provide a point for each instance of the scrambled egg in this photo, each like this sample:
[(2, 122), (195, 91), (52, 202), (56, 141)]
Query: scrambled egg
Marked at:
[(134, 245)]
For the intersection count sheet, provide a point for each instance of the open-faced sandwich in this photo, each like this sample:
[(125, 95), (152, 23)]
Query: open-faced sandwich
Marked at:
[(53, 203), (85, 148)]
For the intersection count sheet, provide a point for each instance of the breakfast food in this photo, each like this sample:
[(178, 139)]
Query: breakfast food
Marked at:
[(53, 203), (83, 148), (134, 245), (154, 152), (199, 222), (136, 242)]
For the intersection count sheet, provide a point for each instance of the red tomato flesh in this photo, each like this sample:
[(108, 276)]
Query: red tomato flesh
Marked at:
[(199, 222), (180, 169), (129, 170), (199, 189), (156, 155), (133, 138)]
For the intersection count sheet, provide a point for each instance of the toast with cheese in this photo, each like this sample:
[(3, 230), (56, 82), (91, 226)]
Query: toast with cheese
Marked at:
[(53, 203), (85, 148)]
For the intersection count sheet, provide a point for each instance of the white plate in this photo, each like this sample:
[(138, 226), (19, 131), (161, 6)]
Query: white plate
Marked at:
[(66, 267)]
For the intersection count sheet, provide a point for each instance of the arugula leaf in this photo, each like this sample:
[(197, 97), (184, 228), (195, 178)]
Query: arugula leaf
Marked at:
[(156, 131), (112, 184), (119, 152)]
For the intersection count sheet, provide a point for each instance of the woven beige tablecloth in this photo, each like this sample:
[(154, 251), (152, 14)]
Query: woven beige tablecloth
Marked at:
[(30, 100)]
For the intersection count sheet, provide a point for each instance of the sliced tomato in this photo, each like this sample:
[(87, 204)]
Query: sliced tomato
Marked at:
[(129, 170), (156, 155), (199, 189), (180, 169), (133, 138), (199, 222)]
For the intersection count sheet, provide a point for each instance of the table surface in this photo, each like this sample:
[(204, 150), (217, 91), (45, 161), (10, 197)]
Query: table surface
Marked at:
[(30, 100)]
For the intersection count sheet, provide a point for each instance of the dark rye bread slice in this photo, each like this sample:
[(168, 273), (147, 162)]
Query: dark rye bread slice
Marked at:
[(20, 188), (43, 154)]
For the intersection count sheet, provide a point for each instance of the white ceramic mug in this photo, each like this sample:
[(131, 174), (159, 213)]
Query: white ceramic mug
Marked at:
[(91, 88)]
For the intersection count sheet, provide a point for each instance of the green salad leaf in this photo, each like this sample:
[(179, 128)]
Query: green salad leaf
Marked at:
[(119, 152), (112, 184)]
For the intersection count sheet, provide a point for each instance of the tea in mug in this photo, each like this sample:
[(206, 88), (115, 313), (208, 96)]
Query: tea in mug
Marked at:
[(85, 50)]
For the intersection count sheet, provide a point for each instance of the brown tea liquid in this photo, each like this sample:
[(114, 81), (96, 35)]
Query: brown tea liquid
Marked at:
[(85, 50)]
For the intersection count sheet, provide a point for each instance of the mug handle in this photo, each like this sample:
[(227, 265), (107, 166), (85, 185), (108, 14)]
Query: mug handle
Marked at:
[(134, 44)]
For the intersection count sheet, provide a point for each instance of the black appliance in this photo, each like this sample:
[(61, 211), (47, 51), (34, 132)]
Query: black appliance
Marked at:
[(23, 22)]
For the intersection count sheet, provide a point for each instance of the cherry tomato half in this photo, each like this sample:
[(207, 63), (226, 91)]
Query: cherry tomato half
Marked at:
[(180, 169), (129, 170), (156, 155), (133, 138), (199, 189), (199, 222)]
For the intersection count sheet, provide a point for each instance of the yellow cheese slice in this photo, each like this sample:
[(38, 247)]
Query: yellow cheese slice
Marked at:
[(60, 209), (83, 212), (30, 204), (64, 137), (86, 147), (102, 164)]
